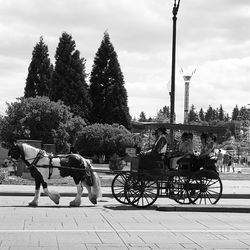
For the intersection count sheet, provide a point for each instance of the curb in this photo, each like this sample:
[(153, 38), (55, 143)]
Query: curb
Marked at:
[(201, 208), (107, 194), (64, 194)]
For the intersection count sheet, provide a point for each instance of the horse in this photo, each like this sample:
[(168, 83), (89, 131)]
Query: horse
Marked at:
[(39, 161)]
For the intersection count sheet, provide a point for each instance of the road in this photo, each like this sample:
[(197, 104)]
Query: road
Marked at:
[(111, 225)]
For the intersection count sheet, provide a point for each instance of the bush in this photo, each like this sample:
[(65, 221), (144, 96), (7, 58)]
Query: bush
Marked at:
[(39, 118), (3, 175), (104, 139)]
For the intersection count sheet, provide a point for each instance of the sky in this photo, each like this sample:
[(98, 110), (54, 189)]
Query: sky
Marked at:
[(212, 37)]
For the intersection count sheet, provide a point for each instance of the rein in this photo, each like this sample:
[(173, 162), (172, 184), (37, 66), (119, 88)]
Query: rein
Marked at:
[(35, 160)]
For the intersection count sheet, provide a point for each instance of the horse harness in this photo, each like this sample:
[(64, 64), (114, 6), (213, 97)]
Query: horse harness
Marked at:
[(39, 155)]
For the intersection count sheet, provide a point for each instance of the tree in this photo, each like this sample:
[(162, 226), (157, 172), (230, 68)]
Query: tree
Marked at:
[(215, 115), (209, 114), (68, 80), (201, 115), (163, 115), (192, 116), (104, 139), (235, 113), (108, 94), (243, 114), (39, 118), (142, 117), (221, 114), (39, 72), (227, 118)]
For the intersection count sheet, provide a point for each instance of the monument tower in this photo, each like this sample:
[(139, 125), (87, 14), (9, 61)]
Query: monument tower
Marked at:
[(187, 79)]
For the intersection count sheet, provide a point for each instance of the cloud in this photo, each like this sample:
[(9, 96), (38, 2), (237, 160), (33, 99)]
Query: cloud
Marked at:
[(211, 36), (221, 82)]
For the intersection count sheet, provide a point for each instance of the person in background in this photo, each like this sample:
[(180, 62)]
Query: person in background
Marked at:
[(219, 160), (229, 163), (225, 162)]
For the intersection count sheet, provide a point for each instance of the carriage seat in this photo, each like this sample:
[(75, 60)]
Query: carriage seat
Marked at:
[(185, 163)]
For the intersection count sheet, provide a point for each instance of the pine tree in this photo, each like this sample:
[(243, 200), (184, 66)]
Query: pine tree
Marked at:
[(201, 115), (39, 72), (108, 94), (209, 114), (142, 117), (68, 81), (192, 116), (215, 115), (221, 114), (244, 116), (235, 113), (163, 115)]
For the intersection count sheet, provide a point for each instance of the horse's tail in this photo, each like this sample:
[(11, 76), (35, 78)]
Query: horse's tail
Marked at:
[(96, 188), (96, 185)]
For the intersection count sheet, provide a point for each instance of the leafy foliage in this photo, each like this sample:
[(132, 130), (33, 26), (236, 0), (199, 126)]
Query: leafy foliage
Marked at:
[(40, 119), (163, 115), (104, 139), (142, 117)]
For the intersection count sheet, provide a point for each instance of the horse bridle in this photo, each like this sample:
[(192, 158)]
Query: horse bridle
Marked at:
[(39, 155)]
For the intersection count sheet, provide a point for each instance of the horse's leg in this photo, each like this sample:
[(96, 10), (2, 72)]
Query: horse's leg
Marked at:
[(91, 195), (94, 191), (54, 196), (77, 201), (34, 202)]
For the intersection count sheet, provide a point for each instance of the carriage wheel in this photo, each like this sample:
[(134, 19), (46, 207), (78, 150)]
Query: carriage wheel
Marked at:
[(178, 190), (118, 187), (141, 190), (204, 187)]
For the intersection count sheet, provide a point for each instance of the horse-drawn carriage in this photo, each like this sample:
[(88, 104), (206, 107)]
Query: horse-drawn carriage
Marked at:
[(186, 185), (138, 186)]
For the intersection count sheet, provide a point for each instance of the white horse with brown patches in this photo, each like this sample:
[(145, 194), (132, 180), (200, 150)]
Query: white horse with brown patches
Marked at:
[(41, 164)]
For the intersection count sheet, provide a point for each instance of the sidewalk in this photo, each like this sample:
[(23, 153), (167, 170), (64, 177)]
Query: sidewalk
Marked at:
[(235, 198), (232, 189)]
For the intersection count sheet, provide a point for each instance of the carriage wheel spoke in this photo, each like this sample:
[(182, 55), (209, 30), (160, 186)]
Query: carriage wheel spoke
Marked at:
[(210, 195), (142, 191)]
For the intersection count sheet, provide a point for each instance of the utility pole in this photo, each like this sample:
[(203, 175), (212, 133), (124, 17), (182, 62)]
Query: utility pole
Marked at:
[(172, 96)]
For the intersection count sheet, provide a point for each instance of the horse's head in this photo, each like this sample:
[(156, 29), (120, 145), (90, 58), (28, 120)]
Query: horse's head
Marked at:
[(9, 163), (13, 155), (14, 152)]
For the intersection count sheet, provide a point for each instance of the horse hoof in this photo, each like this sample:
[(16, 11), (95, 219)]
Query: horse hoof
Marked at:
[(93, 200), (55, 196), (74, 204), (33, 204)]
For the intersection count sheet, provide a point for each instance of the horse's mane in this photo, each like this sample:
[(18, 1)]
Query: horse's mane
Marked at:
[(30, 149)]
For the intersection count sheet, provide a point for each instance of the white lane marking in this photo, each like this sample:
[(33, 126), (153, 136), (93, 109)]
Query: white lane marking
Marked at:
[(123, 231)]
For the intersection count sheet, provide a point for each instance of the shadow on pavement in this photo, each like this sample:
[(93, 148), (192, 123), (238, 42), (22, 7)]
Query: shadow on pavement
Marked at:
[(48, 206), (128, 207)]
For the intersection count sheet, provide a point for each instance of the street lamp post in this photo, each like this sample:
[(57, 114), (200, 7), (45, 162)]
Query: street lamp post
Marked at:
[(172, 96)]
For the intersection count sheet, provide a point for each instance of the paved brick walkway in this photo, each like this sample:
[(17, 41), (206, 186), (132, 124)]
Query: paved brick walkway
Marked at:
[(110, 225)]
